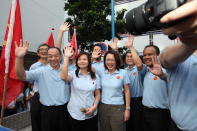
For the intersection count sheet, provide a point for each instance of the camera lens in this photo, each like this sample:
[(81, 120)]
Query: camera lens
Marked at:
[(135, 20)]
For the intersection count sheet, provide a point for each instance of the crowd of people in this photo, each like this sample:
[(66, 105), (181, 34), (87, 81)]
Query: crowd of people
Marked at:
[(157, 93)]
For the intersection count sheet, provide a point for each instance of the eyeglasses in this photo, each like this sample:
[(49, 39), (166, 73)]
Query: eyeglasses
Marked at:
[(43, 49)]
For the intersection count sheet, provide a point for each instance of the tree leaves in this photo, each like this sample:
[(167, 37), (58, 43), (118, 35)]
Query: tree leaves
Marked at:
[(90, 17)]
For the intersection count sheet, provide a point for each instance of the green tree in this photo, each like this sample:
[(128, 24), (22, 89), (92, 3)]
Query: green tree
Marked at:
[(90, 17)]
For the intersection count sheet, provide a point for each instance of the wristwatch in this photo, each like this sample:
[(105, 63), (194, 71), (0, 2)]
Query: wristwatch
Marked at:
[(128, 108)]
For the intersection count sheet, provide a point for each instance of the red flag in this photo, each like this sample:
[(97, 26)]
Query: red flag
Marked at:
[(7, 61), (73, 42), (50, 40)]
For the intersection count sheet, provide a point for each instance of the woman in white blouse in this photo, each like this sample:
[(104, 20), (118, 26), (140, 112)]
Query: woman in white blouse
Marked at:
[(85, 92)]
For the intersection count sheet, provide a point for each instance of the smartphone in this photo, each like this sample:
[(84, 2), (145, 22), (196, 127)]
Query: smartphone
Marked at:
[(83, 110)]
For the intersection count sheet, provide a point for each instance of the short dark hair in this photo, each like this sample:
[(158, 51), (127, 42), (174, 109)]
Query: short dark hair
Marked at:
[(116, 56), (127, 52), (57, 49), (95, 46), (43, 44), (92, 74), (155, 47), (124, 55)]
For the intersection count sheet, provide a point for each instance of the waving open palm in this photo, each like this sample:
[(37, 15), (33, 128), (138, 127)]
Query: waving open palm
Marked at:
[(65, 27), (156, 69), (21, 50), (129, 43)]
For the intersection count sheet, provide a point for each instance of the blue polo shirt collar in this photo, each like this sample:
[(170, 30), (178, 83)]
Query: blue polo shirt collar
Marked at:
[(127, 68), (82, 74), (93, 62), (51, 68), (115, 72)]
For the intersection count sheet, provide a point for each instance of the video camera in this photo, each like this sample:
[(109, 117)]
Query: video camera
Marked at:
[(146, 17)]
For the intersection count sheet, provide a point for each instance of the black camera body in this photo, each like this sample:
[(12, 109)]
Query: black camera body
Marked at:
[(146, 17)]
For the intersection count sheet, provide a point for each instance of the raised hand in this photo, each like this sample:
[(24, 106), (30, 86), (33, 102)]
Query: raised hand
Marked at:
[(96, 54), (114, 44), (129, 43), (156, 69), (21, 50), (68, 52), (65, 27)]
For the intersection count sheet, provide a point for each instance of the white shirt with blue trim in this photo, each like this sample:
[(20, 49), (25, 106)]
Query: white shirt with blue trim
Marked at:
[(82, 94)]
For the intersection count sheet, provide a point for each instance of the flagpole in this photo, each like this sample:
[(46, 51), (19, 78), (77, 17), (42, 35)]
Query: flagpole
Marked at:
[(13, 33), (4, 97), (112, 19)]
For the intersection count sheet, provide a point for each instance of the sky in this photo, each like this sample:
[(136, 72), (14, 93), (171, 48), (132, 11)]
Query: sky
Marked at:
[(39, 16)]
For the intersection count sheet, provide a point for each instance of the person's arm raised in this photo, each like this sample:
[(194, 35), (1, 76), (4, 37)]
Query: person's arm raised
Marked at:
[(136, 58), (114, 44), (64, 27), (185, 30), (156, 69), (20, 52), (68, 52)]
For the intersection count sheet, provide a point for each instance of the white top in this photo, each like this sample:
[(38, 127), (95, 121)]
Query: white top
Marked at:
[(82, 95)]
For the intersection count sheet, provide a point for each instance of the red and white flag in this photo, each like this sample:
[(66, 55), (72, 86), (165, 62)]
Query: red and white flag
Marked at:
[(7, 60), (73, 42)]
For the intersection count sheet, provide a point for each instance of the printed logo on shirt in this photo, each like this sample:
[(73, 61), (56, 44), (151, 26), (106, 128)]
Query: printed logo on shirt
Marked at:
[(134, 73), (194, 64), (117, 77), (155, 78)]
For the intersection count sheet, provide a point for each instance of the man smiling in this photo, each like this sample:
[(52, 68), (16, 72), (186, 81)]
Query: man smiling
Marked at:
[(54, 92)]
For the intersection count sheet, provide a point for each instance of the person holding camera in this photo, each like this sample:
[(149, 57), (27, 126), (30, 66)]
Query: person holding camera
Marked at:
[(180, 60), (179, 20)]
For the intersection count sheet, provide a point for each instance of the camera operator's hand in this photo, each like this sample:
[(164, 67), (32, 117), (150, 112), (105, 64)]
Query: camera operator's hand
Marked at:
[(186, 30)]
